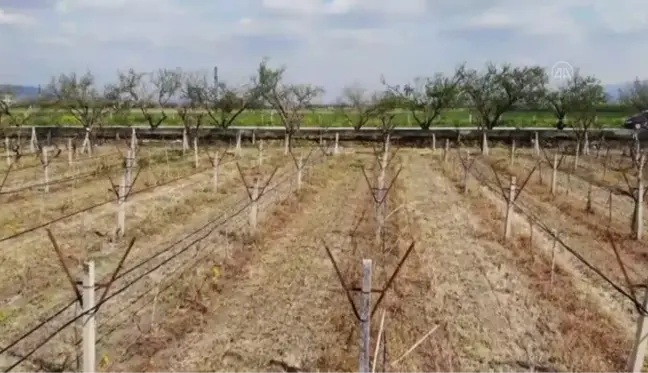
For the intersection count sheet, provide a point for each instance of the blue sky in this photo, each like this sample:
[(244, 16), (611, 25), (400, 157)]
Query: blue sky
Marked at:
[(330, 43)]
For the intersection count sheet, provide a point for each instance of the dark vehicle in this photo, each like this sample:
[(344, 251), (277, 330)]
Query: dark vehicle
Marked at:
[(637, 121)]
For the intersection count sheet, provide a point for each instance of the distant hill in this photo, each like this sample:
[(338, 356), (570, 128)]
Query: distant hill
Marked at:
[(19, 91)]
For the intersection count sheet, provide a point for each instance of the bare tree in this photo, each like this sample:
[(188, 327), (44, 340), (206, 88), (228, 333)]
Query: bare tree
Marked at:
[(6, 98), (150, 92), (584, 95), (356, 106), (191, 110), (224, 103), (427, 97), (290, 101), (385, 103), (78, 97), (499, 89), (557, 101), (119, 104), (16, 118)]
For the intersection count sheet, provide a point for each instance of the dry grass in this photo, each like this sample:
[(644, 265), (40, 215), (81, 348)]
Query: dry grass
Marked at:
[(35, 287), (590, 233), (260, 285), (32, 207), (574, 323), (272, 301)]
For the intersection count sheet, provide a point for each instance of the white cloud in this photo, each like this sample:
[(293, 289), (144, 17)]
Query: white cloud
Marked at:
[(330, 42), (15, 19)]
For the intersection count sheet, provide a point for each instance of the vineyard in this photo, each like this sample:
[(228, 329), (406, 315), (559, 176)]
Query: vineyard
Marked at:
[(272, 256)]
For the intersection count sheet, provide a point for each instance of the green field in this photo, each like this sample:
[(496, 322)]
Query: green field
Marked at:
[(323, 117)]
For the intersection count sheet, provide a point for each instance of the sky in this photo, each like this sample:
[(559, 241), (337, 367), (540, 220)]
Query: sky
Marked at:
[(330, 43)]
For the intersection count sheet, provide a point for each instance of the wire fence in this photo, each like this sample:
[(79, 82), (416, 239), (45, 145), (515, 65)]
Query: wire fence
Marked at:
[(57, 162), (134, 283), (606, 271), (549, 230), (86, 209), (100, 169), (162, 260)]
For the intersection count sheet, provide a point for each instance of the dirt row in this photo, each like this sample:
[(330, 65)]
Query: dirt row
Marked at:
[(570, 318), (232, 304), (163, 241), (589, 232), (578, 182), (273, 301), (34, 287), (571, 186)]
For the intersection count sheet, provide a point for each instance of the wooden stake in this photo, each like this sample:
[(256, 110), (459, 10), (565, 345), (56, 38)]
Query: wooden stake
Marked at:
[(509, 209), (605, 163), (133, 149), (238, 142), (46, 169), (34, 140), (87, 147), (466, 173), (121, 208), (8, 150), (485, 143), (260, 152), (336, 149), (77, 331), (379, 339), (554, 232), (433, 142), (133, 144), (216, 171), (185, 141), (195, 146), (636, 361), (610, 208), (536, 144), (554, 174), (129, 168), (89, 317), (166, 157), (286, 144), (254, 207), (300, 167), (70, 152), (512, 152), (253, 137), (446, 150), (365, 317), (588, 205), (639, 209)]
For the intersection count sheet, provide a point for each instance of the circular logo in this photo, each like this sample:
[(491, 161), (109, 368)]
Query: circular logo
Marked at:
[(562, 71)]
